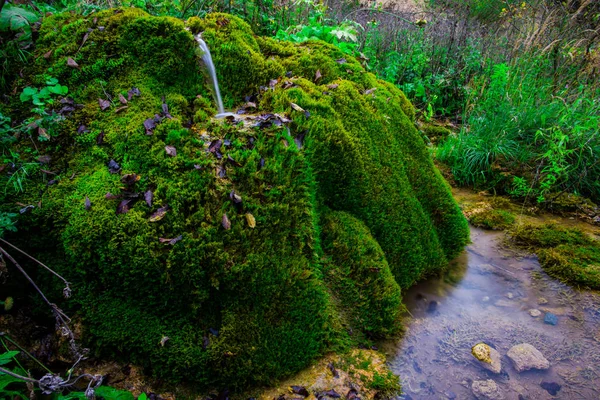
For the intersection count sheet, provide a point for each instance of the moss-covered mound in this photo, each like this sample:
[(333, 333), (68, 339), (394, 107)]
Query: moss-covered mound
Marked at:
[(568, 254), (222, 252)]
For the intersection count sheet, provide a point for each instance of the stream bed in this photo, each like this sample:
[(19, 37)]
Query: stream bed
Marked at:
[(488, 296)]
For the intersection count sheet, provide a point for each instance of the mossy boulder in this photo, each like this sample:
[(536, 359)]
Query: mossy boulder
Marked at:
[(340, 207)]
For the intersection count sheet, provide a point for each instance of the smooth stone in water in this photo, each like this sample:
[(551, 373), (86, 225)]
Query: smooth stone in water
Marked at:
[(486, 299), (488, 357), (535, 313), (550, 319), (510, 295), (542, 300), (551, 387), (486, 390), (525, 357)]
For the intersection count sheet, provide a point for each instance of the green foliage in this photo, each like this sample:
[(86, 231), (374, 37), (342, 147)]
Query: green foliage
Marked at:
[(568, 254), (520, 122), (7, 222)]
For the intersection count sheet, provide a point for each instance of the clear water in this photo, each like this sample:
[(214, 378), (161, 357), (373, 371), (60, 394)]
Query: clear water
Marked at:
[(486, 297)]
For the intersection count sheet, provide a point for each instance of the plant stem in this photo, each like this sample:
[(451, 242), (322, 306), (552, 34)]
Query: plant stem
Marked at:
[(26, 379)]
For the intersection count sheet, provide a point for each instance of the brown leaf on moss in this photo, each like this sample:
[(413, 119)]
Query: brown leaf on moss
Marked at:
[(171, 241), (333, 86), (82, 129), (88, 203), (100, 138), (232, 161), (110, 196), (273, 83), (43, 133), (44, 159), (332, 393), (71, 63), (124, 206), (341, 61), (221, 171), (297, 107), (261, 164), (300, 390), (250, 220), (159, 214), (133, 92), (149, 125), (235, 198), (113, 167), (148, 196), (299, 139), (171, 151), (370, 91), (118, 110), (104, 104), (215, 148), (122, 99), (48, 54), (318, 76), (225, 222), (130, 179), (165, 109)]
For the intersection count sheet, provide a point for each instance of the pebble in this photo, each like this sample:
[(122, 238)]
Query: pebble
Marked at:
[(550, 319), (486, 390), (551, 387), (510, 295), (542, 300), (535, 313), (486, 299), (488, 357), (525, 357)]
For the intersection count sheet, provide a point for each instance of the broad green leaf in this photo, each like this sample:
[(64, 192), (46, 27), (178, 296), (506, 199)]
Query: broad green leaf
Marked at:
[(7, 357), (15, 18), (51, 81), (6, 380), (27, 93), (109, 393)]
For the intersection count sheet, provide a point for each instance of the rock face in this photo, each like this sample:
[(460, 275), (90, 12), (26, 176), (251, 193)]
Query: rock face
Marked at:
[(343, 177), (488, 357), (525, 357), (486, 390)]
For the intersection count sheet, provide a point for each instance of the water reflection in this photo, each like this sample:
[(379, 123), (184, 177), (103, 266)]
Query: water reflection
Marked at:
[(501, 298)]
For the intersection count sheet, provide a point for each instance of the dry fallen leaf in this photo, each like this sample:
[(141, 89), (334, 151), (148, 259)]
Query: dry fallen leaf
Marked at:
[(159, 214), (251, 221), (225, 222), (171, 151), (71, 63), (297, 107)]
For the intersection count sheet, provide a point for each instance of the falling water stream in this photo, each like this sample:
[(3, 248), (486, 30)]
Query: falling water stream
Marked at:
[(208, 62)]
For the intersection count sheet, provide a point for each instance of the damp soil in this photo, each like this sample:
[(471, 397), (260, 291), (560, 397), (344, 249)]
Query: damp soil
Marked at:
[(486, 296)]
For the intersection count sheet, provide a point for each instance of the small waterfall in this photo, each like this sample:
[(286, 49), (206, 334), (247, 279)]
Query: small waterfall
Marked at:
[(207, 59)]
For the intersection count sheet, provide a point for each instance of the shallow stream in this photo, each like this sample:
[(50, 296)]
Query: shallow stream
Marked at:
[(486, 297)]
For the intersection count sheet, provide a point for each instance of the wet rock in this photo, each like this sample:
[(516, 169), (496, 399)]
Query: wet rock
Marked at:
[(450, 395), (504, 303), (486, 299), (488, 357), (525, 357), (486, 390), (432, 307), (510, 295), (551, 387), (535, 313), (542, 300), (550, 319)]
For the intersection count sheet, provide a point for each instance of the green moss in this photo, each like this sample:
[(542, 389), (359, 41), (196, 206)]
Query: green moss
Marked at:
[(436, 133), (574, 264), (548, 235), (492, 219), (568, 254), (240, 306), (359, 274)]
